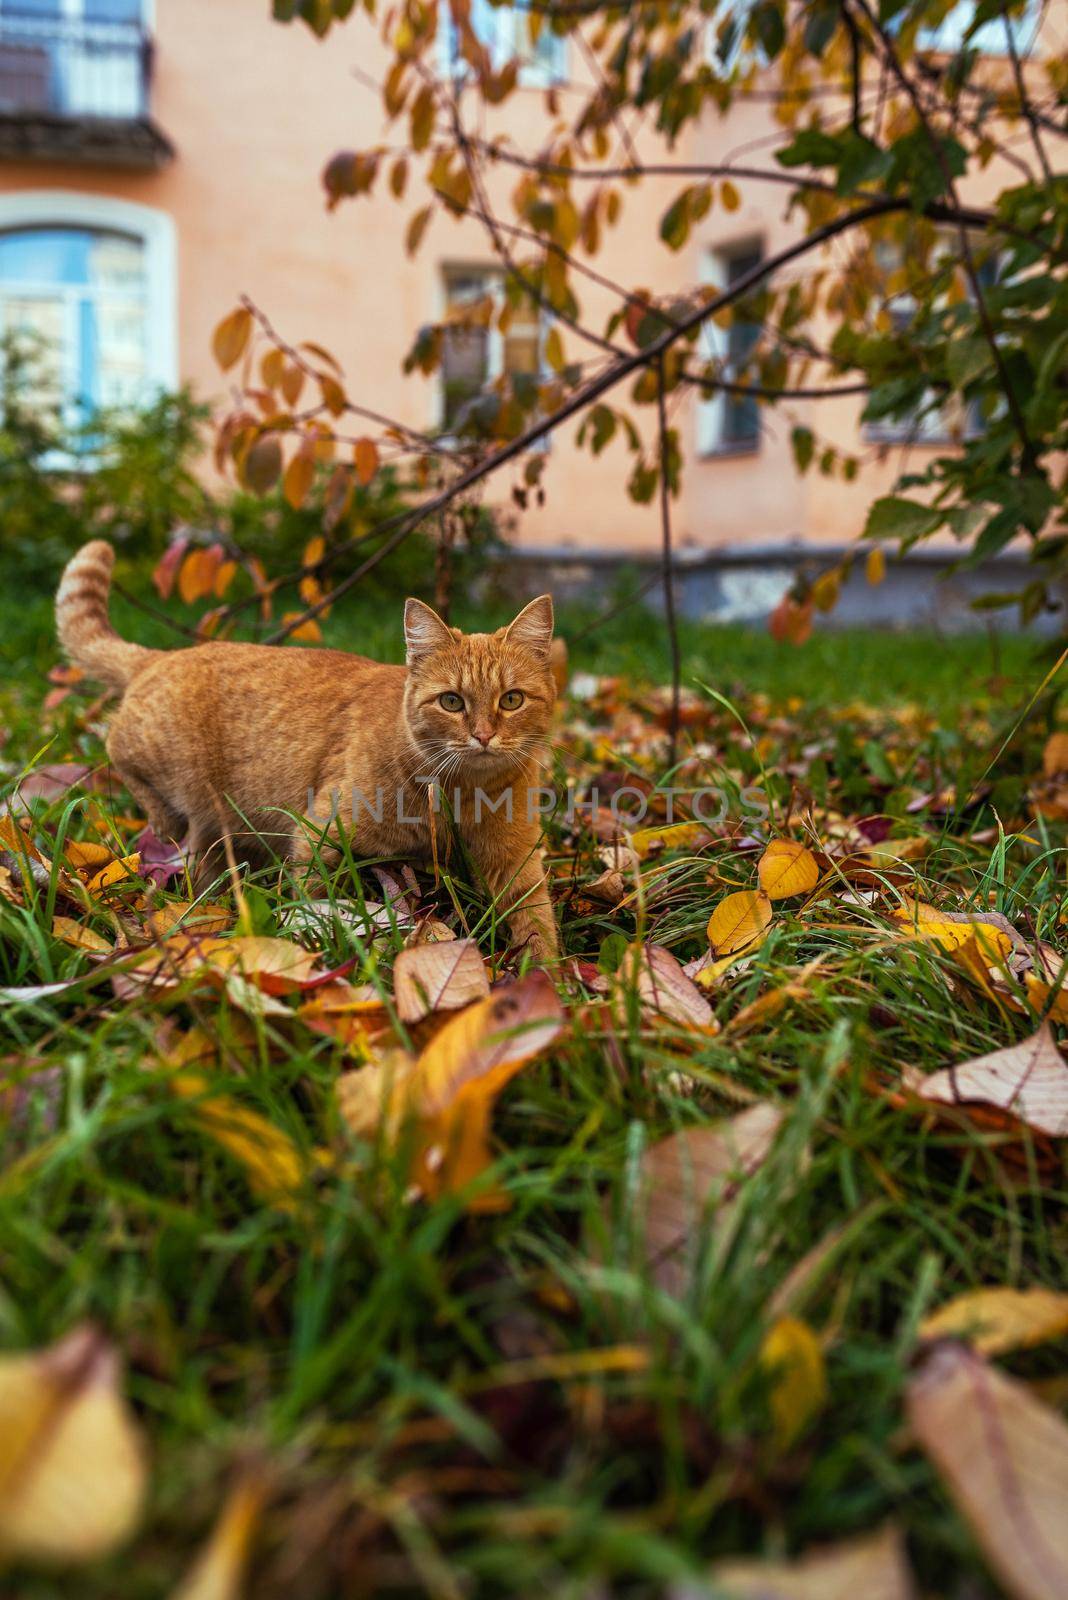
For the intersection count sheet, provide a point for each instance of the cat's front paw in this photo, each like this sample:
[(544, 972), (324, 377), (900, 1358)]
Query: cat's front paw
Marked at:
[(539, 944)]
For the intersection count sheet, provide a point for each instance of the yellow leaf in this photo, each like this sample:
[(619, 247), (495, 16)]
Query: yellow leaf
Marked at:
[(72, 1461), (273, 1165), (875, 565), (79, 936), (738, 921), (230, 338), (309, 631), (314, 551), (122, 867), (792, 1355), (676, 836), (996, 1320), (194, 917), (787, 868), (218, 1573), (277, 965), (729, 195)]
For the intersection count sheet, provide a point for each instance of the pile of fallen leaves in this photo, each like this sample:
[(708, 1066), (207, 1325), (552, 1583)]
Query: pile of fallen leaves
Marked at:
[(671, 925)]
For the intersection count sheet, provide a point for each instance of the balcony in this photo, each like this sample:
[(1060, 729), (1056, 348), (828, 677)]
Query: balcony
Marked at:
[(77, 92)]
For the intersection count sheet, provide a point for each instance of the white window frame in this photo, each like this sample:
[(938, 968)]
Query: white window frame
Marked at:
[(948, 37), (712, 412), (509, 38), (64, 208), (950, 422), (495, 276)]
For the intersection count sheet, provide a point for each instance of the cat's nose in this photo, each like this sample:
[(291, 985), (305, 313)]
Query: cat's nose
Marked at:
[(482, 734)]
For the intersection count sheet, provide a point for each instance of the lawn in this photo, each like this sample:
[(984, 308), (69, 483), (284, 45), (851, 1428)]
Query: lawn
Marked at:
[(508, 1387)]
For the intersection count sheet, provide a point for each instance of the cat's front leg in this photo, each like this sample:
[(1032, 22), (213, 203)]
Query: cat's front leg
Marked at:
[(510, 862)]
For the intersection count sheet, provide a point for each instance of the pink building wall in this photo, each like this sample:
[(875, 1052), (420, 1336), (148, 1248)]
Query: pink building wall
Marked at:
[(254, 109)]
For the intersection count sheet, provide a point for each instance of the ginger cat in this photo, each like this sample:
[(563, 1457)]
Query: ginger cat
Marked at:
[(232, 740)]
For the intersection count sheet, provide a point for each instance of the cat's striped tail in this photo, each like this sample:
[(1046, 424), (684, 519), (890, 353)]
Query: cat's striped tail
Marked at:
[(82, 621)]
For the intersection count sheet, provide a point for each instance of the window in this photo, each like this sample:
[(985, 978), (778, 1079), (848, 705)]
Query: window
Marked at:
[(505, 32), (949, 34), (475, 351), (730, 423), (92, 281), (73, 57), (928, 423)]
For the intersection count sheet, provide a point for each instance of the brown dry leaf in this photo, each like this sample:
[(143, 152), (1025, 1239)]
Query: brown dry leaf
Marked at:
[(449, 1090), (1003, 1457), (77, 935), (874, 1566), (356, 1017), (686, 1171), (787, 868), (738, 921), (996, 1320), (438, 977), (1030, 1079), (664, 987), (73, 1470), (218, 1573), (1055, 755)]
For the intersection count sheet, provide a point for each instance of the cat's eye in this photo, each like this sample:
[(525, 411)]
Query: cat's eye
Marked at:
[(451, 702), (512, 699)]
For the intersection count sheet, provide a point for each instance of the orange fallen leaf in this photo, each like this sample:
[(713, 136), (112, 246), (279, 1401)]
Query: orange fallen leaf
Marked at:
[(448, 1092)]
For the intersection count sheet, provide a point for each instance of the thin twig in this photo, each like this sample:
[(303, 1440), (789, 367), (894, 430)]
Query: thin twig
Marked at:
[(668, 567)]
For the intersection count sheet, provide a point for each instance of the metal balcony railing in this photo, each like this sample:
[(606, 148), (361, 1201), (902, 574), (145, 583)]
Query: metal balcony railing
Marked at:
[(54, 67)]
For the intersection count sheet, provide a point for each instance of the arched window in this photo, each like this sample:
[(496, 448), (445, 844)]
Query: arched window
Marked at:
[(93, 281)]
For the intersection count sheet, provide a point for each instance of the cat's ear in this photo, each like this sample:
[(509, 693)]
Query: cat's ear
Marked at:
[(533, 627), (424, 631)]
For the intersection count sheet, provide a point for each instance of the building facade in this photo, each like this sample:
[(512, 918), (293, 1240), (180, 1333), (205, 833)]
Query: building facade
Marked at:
[(160, 157)]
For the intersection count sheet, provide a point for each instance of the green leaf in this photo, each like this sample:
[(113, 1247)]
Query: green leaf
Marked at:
[(675, 223), (811, 148), (769, 28), (819, 29), (893, 517), (967, 359), (804, 447)]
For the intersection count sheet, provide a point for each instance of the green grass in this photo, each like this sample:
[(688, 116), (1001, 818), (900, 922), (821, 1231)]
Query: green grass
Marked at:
[(392, 1363), (832, 668)]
